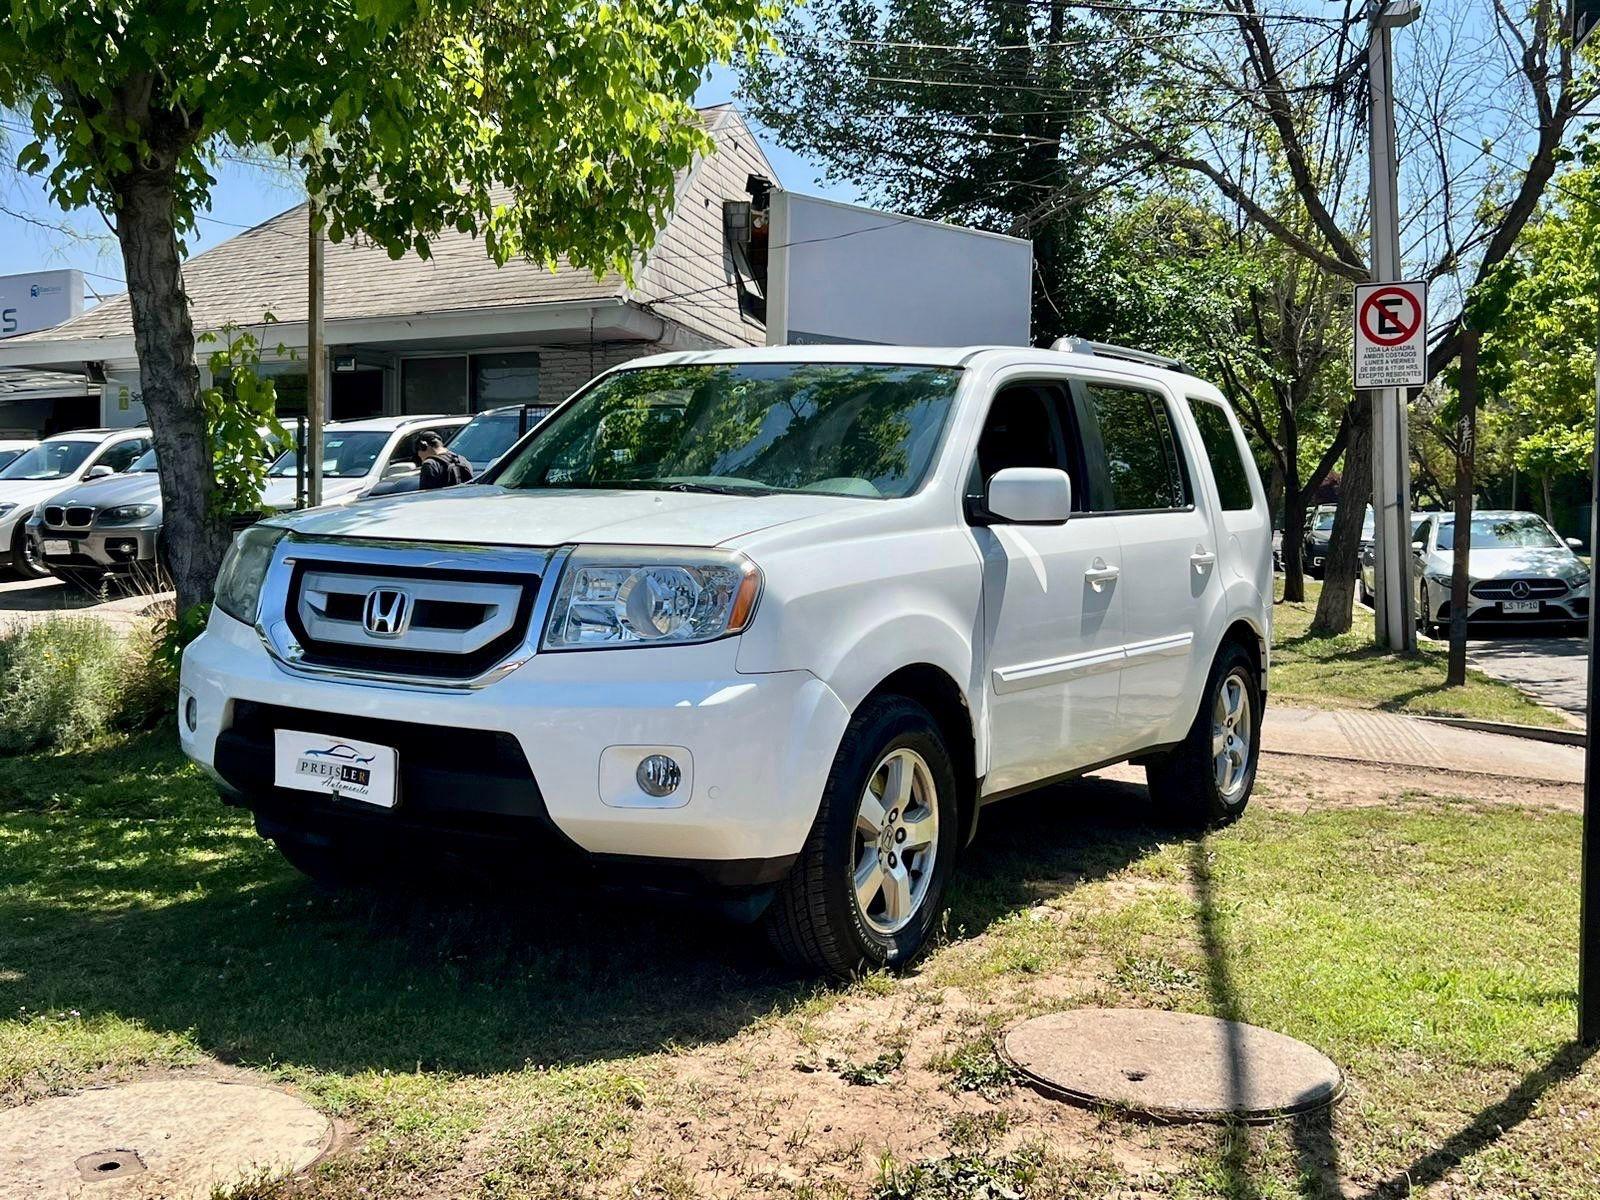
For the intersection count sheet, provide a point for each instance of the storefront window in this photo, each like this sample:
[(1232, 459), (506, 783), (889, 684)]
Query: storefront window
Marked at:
[(434, 385), (500, 379)]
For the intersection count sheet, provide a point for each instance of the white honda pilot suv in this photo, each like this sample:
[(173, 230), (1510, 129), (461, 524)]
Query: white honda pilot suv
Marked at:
[(773, 623)]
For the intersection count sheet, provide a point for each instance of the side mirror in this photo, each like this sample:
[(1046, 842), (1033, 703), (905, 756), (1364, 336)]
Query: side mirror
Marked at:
[(400, 470), (1575, 543), (98, 471), (1419, 547), (1030, 495)]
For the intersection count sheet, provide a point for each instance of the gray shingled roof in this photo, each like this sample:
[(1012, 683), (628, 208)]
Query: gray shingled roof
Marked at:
[(263, 270)]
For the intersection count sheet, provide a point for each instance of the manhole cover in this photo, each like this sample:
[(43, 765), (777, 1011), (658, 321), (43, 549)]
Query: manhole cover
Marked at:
[(174, 1139), (1180, 1066)]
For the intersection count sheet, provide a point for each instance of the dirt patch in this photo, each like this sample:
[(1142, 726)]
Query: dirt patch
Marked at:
[(1303, 783)]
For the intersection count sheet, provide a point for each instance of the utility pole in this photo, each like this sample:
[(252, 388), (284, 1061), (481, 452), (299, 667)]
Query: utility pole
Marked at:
[(1585, 20), (316, 356), (1391, 437)]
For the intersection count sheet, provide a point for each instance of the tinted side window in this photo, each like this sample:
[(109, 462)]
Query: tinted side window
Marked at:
[(1227, 467), (1022, 429), (120, 457), (1141, 463)]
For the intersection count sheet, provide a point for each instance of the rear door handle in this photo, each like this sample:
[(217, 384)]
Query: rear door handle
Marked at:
[(1099, 574), (1202, 558)]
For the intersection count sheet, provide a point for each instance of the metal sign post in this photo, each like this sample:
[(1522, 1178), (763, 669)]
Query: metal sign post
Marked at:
[(1391, 459)]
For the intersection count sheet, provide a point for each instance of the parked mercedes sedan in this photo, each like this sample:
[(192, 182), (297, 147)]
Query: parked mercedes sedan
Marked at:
[(1520, 571)]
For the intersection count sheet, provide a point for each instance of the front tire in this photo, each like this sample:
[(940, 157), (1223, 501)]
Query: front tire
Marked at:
[(1206, 780), (23, 559), (868, 884)]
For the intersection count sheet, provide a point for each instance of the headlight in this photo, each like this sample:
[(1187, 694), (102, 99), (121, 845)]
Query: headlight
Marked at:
[(245, 570), (6, 510), (1443, 580), (125, 514), (627, 597)]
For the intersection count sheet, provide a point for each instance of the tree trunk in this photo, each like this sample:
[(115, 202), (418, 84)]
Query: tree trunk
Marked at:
[(1549, 506), (1466, 451), (1336, 605), (194, 535)]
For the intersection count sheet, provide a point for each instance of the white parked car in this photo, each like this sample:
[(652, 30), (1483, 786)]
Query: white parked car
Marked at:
[(775, 623), (1519, 571), (371, 457), (53, 465)]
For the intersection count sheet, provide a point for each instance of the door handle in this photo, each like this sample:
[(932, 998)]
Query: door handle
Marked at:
[(1202, 558), (1099, 574)]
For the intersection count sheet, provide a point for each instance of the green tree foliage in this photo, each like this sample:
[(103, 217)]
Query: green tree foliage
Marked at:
[(1546, 332), (984, 112), (549, 129)]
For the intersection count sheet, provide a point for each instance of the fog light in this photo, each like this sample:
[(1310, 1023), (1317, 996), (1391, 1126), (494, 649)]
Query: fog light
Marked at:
[(658, 775), (191, 713)]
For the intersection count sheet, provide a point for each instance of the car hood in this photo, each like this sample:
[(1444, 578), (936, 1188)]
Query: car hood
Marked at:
[(279, 494), (141, 488), (1554, 561), (31, 491), (551, 517)]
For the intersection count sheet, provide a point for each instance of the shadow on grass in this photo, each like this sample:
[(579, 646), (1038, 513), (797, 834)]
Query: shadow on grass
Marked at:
[(131, 894), (1488, 1127)]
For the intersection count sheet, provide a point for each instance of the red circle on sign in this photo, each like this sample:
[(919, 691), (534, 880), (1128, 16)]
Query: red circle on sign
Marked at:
[(1371, 306)]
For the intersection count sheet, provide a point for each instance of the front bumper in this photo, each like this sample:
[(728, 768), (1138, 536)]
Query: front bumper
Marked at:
[(1563, 610), (521, 759), (112, 548)]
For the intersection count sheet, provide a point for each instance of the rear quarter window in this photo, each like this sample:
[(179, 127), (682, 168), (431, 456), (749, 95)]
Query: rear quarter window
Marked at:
[(1222, 452)]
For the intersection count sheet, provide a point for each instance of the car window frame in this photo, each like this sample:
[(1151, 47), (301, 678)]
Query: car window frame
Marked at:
[(1094, 450), (1223, 409), (1069, 446)]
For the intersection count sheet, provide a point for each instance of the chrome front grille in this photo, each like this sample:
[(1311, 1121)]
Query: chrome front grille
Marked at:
[(412, 613), (1520, 589), (55, 515), (79, 516)]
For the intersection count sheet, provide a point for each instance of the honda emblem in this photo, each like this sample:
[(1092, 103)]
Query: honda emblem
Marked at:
[(387, 612)]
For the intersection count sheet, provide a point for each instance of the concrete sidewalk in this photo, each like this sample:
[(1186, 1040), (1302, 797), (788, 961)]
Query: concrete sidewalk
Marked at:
[(1378, 737)]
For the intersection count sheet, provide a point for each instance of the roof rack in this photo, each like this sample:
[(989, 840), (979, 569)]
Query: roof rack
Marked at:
[(1077, 345)]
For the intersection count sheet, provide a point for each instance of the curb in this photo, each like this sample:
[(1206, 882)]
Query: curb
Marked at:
[(1532, 733)]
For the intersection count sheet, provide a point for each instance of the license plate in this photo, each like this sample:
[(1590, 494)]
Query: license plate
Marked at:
[(341, 767), (58, 546), (1519, 606)]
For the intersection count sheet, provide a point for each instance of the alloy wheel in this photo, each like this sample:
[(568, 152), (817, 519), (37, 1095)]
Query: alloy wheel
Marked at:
[(1230, 735), (896, 841)]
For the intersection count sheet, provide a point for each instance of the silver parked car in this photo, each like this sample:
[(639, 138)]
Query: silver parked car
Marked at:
[(101, 526), (1520, 571)]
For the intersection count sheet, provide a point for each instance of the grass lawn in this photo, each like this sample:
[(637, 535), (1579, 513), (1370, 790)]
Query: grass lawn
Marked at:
[(1350, 672), (553, 1043)]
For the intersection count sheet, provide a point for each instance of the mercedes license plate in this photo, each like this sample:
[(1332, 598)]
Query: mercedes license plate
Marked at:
[(1519, 606), (342, 767)]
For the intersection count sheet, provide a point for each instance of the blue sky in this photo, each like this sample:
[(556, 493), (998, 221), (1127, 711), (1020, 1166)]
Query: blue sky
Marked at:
[(245, 195)]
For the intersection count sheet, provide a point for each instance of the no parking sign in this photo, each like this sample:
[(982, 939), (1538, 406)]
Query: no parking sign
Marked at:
[(1391, 335)]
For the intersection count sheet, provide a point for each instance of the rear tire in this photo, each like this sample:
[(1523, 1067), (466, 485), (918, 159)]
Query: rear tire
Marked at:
[(857, 898), (1206, 780)]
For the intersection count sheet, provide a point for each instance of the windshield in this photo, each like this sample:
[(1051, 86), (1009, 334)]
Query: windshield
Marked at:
[(853, 429), (1522, 532), (344, 455), (50, 460), (145, 464), (7, 456), (489, 435)]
